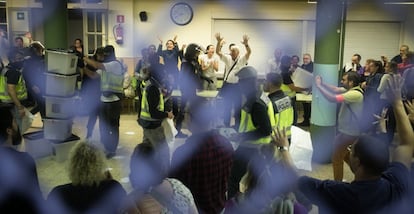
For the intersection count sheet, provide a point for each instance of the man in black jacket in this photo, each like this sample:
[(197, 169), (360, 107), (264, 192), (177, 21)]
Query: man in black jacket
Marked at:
[(19, 184), (153, 109)]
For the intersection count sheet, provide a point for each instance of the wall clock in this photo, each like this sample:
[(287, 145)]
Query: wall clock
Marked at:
[(181, 13)]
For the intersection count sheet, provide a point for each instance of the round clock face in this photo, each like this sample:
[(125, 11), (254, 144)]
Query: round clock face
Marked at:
[(181, 13)]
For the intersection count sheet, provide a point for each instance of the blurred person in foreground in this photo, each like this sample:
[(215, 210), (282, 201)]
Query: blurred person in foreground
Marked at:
[(269, 183), (379, 186), (204, 161), (153, 192), (254, 130), (19, 184), (92, 188)]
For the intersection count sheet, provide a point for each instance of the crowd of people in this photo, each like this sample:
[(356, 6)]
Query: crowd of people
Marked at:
[(204, 174)]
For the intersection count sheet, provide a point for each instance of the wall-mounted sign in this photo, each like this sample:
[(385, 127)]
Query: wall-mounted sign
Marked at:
[(120, 18)]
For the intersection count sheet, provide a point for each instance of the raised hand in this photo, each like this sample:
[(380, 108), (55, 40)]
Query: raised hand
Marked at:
[(279, 137), (219, 37), (381, 121), (409, 106), (393, 92), (245, 40), (318, 80)]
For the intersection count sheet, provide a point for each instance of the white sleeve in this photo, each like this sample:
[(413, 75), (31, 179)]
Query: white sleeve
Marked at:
[(383, 83), (243, 60), (225, 58)]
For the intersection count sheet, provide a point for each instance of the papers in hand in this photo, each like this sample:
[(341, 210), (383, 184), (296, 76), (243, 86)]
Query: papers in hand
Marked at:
[(302, 78), (301, 148)]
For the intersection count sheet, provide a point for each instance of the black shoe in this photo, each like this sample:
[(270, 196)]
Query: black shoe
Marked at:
[(110, 155), (181, 135), (304, 123)]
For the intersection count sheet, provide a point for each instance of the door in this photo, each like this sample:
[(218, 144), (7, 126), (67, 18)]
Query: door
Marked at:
[(95, 31)]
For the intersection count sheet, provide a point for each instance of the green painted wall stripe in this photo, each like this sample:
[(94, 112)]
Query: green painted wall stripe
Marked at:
[(55, 24), (328, 26)]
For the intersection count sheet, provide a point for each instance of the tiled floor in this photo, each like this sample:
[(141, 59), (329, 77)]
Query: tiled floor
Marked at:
[(52, 172)]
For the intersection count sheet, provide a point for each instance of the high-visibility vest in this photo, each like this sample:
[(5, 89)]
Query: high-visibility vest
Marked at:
[(246, 125), (111, 82), (21, 90), (145, 113), (281, 114), (285, 88)]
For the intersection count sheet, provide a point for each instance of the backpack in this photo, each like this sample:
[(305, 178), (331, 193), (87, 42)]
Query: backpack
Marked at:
[(130, 85)]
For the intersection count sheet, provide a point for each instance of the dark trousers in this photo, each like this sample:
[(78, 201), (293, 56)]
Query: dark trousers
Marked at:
[(295, 110), (109, 125), (241, 158), (157, 138), (93, 116), (91, 102), (40, 105), (188, 98), (306, 111), (93, 108), (231, 100)]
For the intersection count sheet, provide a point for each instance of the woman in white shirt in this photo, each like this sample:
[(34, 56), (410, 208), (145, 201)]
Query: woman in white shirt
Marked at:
[(209, 65)]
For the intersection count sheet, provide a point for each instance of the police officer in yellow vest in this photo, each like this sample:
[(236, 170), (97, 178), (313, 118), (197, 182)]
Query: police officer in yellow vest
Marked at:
[(288, 85), (254, 129), (12, 85), (153, 111), (282, 114), (111, 72)]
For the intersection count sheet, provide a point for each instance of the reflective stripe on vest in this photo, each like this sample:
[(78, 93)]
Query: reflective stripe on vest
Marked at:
[(287, 90), (283, 118), (246, 125), (145, 113), (112, 82), (21, 91)]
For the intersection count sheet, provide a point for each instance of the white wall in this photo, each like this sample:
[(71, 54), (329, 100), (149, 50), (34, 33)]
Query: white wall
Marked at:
[(139, 34), (200, 30), (385, 14), (125, 8)]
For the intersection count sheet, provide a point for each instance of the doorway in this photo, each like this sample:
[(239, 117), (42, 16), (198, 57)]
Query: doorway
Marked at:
[(88, 25)]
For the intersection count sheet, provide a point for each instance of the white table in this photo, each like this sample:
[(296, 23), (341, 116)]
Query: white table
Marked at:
[(208, 93), (301, 97), (202, 93), (176, 93)]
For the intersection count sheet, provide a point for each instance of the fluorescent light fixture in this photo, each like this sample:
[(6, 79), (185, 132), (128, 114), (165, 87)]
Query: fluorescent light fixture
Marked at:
[(130, 133), (400, 2), (312, 1)]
